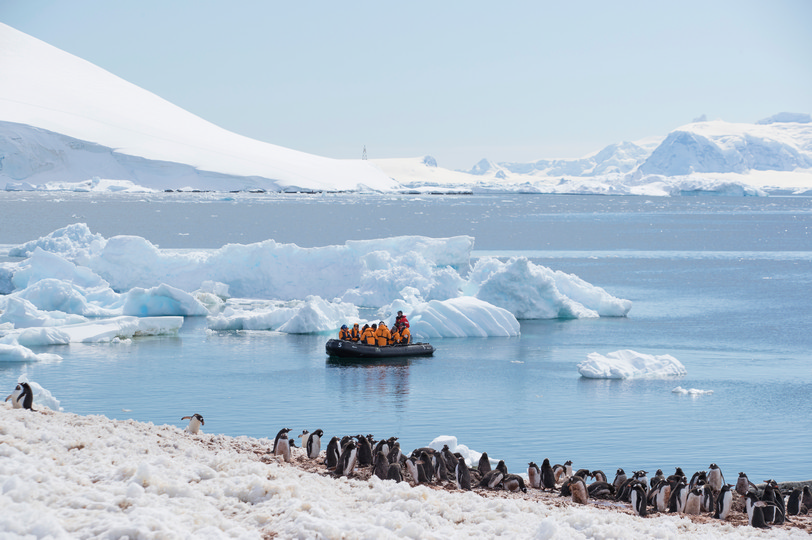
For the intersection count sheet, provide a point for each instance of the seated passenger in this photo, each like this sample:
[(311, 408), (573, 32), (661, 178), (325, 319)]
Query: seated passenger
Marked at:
[(395, 336), (355, 333), (405, 334), (382, 334), (344, 333), (368, 336)]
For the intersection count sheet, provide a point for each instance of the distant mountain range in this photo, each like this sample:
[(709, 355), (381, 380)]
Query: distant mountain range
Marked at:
[(66, 124)]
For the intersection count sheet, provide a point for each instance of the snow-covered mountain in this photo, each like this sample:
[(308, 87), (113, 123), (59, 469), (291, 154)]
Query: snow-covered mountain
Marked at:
[(67, 124), (63, 119)]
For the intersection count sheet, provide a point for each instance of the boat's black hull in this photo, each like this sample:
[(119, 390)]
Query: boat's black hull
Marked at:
[(352, 349)]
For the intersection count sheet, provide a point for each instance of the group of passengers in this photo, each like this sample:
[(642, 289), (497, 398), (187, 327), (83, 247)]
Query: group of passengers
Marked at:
[(379, 334)]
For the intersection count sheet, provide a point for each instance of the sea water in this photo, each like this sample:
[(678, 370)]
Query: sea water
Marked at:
[(721, 283)]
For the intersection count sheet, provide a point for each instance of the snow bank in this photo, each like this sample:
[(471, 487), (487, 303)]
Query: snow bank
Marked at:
[(465, 316), (629, 364), (314, 314), (68, 476)]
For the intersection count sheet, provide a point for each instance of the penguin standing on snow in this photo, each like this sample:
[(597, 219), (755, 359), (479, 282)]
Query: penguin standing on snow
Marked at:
[(195, 421), (638, 500), (693, 502), (313, 447), (462, 475), (534, 475), (755, 511), (283, 431), (743, 484), (580, 493), (365, 453), (347, 460), (282, 446), (715, 477), (547, 476), (333, 453), (484, 466), (16, 402), (724, 502), (381, 466), (806, 498), (620, 478), (22, 397)]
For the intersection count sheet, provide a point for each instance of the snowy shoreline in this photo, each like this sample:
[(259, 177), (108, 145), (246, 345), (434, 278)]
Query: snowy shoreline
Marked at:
[(66, 475)]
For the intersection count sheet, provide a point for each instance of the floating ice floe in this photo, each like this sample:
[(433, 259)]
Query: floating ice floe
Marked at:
[(628, 364), (691, 391)]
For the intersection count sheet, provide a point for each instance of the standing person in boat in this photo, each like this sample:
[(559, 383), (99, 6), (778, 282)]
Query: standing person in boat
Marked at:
[(368, 336), (400, 319), (344, 333), (405, 334), (382, 334), (355, 333)]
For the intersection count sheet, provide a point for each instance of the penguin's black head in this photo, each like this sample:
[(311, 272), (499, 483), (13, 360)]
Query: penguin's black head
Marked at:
[(199, 419)]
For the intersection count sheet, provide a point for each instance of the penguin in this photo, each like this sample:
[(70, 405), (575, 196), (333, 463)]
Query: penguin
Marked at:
[(440, 468), (462, 475), (304, 435), (715, 477), (620, 477), (534, 475), (364, 451), (282, 447), (679, 494), (657, 478), (700, 478), (394, 472), (347, 460), (450, 459), (676, 477), (493, 478), (283, 431), (416, 470), (794, 502), (547, 476), (382, 446), (642, 477), (195, 421), (514, 482), (601, 490), (394, 453), (776, 510), (484, 465), (313, 447), (806, 498), (428, 466), (580, 494), (663, 498), (743, 484), (560, 472), (638, 500), (583, 473), (724, 502), (333, 453), (565, 488), (598, 476), (755, 511), (381, 467), (707, 498), (16, 402), (623, 492), (693, 502)]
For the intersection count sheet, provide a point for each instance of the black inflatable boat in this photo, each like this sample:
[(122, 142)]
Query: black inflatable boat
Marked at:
[(353, 349)]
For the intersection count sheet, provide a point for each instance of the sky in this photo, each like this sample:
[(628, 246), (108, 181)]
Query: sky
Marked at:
[(460, 81)]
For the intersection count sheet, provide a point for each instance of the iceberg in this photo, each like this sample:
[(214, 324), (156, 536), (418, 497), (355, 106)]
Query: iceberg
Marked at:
[(628, 364)]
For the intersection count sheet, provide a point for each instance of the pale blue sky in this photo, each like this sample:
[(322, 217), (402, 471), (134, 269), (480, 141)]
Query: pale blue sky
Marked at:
[(509, 81)]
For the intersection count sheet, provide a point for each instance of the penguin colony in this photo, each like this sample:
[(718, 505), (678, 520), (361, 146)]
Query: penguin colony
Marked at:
[(705, 493)]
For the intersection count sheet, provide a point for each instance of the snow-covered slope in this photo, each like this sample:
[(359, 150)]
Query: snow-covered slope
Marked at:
[(65, 119)]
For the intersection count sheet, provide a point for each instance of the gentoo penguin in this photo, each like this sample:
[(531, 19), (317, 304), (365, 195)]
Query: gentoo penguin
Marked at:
[(806, 498), (304, 435), (547, 476), (416, 470), (195, 421), (440, 468), (492, 479), (534, 475), (620, 477), (364, 451), (394, 453), (638, 500), (333, 453), (565, 488), (677, 476), (562, 471), (679, 494), (484, 465), (462, 475), (16, 402), (772, 496), (394, 472), (693, 502), (715, 477), (450, 459), (598, 476), (381, 467), (283, 431), (583, 473), (580, 494), (428, 465), (755, 511), (642, 477), (314, 444), (514, 482), (700, 478), (347, 460), (707, 498), (724, 502), (601, 490), (657, 478), (743, 484), (663, 497), (282, 446), (794, 502)]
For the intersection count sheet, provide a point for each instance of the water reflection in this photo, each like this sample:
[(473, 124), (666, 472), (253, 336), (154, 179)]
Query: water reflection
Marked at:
[(382, 381)]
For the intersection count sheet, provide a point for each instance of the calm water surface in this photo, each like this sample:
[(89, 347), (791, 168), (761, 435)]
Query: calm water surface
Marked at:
[(723, 284)]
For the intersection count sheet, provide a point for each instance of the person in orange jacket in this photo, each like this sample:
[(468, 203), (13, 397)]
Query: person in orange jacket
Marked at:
[(368, 336), (344, 333), (405, 334), (394, 339), (355, 333), (382, 334)]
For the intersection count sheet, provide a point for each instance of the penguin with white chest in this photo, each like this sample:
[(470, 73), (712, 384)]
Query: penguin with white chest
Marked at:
[(715, 478), (195, 421), (724, 502), (16, 402), (638, 499), (313, 447), (347, 460), (22, 397), (534, 475), (282, 446)]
